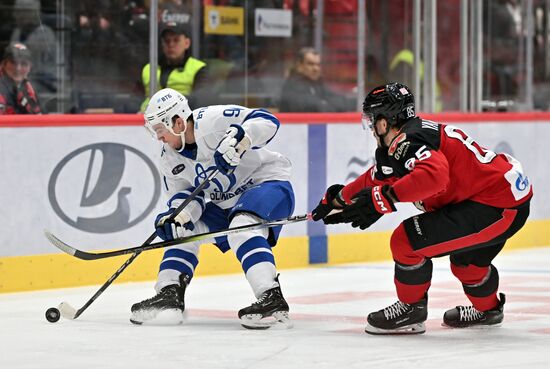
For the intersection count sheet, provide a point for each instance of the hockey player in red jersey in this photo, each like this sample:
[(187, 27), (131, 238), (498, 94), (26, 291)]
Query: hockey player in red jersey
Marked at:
[(473, 201)]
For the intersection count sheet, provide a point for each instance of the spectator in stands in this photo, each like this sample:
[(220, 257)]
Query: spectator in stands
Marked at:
[(177, 68), (17, 95), (305, 91), (99, 22), (31, 31)]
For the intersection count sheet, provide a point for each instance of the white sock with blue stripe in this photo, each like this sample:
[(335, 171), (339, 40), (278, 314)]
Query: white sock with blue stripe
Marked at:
[(254, 253), (179, 259)]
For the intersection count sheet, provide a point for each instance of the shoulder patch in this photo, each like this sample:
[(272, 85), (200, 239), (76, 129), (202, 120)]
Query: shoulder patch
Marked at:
[(399, 139), (401, 150), (387, 170), (178, 169)]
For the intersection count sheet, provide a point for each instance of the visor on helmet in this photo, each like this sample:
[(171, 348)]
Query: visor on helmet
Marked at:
[(158, 129), (164, 107), (367, 121)]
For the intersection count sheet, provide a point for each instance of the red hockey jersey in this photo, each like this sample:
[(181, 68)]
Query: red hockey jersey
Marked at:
[(434, 165)]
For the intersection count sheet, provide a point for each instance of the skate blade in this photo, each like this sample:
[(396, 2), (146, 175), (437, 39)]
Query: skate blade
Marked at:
[(417, 328), (279, 320), (158, 317), (476, 326)]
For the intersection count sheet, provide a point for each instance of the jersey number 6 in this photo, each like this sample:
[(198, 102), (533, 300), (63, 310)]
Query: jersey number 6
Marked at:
[(483, 155)]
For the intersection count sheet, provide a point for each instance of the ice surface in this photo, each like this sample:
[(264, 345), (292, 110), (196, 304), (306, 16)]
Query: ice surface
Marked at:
[(328, 305)]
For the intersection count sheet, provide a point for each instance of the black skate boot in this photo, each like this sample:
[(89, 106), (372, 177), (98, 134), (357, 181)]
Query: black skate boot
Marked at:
[(399, 318), (469, 316), (166, 307), (270, 310)]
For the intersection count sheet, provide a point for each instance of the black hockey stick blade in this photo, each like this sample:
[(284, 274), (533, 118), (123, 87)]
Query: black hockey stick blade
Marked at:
[(193, 238)]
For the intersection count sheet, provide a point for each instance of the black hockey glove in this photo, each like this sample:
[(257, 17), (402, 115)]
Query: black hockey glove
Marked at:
[(326, 206), (369, 205)]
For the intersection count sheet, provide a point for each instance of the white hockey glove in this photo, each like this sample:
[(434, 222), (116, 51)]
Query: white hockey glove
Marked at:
[(231, 148), (169, 229)]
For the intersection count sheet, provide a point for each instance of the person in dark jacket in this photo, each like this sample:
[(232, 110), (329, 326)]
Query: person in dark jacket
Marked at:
[(305, 91), (17, 95)]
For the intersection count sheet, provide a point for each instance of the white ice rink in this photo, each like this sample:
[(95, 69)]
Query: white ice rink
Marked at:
[(328, 305)]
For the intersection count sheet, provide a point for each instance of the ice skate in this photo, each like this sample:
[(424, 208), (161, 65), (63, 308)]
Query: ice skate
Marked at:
[(468, 316), (165, 308), (271, 310), (399, 318)]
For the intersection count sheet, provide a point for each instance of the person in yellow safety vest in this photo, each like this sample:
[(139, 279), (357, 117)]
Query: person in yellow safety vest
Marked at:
[(405, 59), (177, 69)]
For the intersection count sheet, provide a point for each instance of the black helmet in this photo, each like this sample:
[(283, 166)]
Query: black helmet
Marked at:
[(394, 102)]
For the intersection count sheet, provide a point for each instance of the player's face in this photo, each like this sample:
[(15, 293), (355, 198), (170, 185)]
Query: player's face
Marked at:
[(378, 127), (369, 124), (311, 66), (174, 45), (172, 138), (18, 70)]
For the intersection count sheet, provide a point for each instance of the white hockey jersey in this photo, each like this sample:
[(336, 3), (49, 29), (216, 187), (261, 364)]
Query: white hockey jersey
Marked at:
[(181, 171)]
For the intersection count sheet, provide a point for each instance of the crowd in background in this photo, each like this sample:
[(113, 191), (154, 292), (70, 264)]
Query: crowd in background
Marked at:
[(90, 55)]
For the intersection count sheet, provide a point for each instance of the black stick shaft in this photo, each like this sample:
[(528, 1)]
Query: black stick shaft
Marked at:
[(107, 284), (84, 255)]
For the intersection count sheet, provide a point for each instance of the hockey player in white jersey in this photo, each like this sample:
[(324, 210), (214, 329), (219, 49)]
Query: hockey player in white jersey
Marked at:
[(252, 186)]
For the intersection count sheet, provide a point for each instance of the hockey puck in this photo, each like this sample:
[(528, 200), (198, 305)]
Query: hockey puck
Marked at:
[(53, 315)]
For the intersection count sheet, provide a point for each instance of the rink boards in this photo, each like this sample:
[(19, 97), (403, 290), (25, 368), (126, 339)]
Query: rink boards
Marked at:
[(93, 182)]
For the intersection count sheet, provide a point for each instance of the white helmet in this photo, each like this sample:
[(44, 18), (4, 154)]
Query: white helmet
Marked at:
[(163, 107)]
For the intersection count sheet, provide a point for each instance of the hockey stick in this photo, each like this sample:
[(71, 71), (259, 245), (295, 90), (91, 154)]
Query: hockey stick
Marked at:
[(158, 245), (67, 311)]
